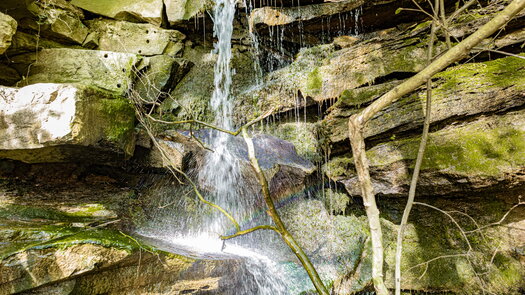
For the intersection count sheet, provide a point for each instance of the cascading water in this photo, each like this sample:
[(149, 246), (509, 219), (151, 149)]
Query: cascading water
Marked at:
[(220, 178)]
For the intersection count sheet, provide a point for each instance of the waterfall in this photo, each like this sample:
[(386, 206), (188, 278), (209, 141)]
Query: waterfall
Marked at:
[(219, 178)]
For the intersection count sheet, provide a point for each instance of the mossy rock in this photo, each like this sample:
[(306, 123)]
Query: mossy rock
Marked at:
[(65, 122)]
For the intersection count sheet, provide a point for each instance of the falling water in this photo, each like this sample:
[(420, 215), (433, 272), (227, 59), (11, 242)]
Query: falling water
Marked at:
[(219, 177)]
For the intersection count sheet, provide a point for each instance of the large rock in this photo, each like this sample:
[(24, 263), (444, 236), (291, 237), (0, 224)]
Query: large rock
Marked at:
[(94, 267), (182, 10), (55, 19), (143, 39), (109, 71), (484, 154), (460, 91), (287, 173), (7, 30), (321, 73), (340, 245), (159, 77), (54, 123), (196, 88), (151, 11), (272, 16)]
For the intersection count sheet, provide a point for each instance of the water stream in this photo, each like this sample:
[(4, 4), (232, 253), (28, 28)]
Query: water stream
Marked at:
[(219, 177)]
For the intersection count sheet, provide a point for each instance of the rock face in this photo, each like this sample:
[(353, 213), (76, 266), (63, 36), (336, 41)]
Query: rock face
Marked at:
[(79, 178), (481, 154), (467, 90), (7, 28), (109, 71), (151, 11), (339, 245), (272, 16), (44, 122), (95, 269), (143, 39)]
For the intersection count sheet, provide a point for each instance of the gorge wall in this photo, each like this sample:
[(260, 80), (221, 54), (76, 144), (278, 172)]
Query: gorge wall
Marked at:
[(79, 175)]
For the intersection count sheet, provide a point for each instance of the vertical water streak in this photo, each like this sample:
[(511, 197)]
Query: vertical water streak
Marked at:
[(223, 16)]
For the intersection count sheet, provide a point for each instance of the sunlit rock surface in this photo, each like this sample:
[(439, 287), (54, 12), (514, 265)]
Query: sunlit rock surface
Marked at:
[(106, 70), (7, 30), (143, 39), (273, 16), (151, 11), (56, 123), (486, 153)]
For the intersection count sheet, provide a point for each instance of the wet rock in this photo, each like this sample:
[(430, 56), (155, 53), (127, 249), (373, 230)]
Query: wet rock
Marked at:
[(285, 170), (143, 39), (321, 73), (161, 74), (7, 30), (304, 136), (460, 91), (272, 16), (26, 43), (339, 245), (109, 71), (55, 123), (88, 268), (182, 10), (483, 154), (196, 88)]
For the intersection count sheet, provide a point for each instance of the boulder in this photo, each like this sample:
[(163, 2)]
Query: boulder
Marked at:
[(484, 154), (109, 71), (60, 122), (92, 266), (56, 19), (152, 11), (340, 247), (461, 91), (142, 39), (7, 30), (273, 16), (182, 10), (287, 173), (196, 88), (321, 73), (159, 77)]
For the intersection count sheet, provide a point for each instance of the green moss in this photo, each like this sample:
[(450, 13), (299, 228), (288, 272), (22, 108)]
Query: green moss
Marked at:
[(314, 82), (479, 152), (336, 202), (121, 115), (339, 167), (70, 236), (304, 137), (22, 212), (481, 77), (357, 97)]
